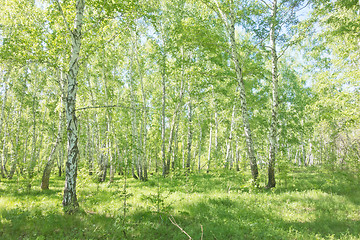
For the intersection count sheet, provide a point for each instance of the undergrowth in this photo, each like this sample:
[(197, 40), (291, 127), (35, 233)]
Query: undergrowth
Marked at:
[(312, 203)]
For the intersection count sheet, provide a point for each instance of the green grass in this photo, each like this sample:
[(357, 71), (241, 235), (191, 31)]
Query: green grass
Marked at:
[(313, 204)]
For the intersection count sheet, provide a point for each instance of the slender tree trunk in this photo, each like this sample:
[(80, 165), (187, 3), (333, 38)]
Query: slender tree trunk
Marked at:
[(3, 128), (60, 160), (4, 154), (216, 140), (244, 111), (172, 130), (310, 157), (49, 166), (229, 143), (176, 148), (90, 146), (275, 100), (70, 202), (188, 161), (50, 163), (237, 155), (229, 23), (199, 152), (25, 153), (134, 137), (16, 146), (183, 151), (174, 122), (143, 137), (321, 150), (105, 166), (34, 138), (209, 153), (163, 154), (303, 153)]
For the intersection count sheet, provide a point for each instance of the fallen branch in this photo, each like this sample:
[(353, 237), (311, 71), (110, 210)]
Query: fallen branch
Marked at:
[(172, 220)]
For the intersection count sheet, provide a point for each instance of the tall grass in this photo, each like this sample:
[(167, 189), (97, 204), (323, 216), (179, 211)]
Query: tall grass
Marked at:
[(313, 204)]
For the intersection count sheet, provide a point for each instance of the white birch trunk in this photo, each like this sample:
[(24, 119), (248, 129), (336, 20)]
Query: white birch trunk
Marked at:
[(1, 125), (229, 142), (199, 152), (163, 154), (275, 100), (188, 161), (49, 165), (209, 153), (244, 110), (70, 199)]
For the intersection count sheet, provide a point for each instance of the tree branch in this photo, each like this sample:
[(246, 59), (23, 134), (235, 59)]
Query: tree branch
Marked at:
[(63, 15), (96, 48), (106, 106), (172, 220), (267, 5), (283, 51)]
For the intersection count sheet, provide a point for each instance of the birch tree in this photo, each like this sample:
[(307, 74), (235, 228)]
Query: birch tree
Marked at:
[(70, 202), (227, 15)]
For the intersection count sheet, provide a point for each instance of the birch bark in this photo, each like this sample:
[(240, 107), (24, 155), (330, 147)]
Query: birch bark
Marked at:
[(50, 163), (228, 157), (163, 154), (275, 102), (188, 161), (229, 22), (209, 153), (70, 202), (1, 124)]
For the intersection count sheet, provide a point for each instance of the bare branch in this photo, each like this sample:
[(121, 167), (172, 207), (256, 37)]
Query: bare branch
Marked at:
[(283, 51), (172, 220), (63, 15), (217, 10), (267, 5), (107, 106), (94, 50)]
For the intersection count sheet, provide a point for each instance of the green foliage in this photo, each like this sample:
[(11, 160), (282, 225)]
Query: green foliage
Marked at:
[(128, 49)]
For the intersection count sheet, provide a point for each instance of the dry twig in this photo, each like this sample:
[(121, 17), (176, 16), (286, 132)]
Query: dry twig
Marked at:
[(172, 220)]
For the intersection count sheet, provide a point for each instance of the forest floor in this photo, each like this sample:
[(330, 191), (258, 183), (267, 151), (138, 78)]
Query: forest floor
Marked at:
[(313, 203)]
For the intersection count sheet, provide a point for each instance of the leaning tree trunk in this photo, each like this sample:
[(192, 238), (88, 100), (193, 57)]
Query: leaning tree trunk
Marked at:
[(244, 111), (229, 23), (49, 166), (70, 202), (274, 111), (50, 163)]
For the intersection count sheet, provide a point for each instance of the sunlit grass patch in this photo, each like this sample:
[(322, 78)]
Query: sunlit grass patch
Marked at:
[(224, 204)]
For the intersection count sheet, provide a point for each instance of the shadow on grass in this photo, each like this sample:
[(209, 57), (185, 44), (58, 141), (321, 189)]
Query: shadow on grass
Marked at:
[(199, 183), (327, 180), (225, 218), (35, 224), (235, 212)]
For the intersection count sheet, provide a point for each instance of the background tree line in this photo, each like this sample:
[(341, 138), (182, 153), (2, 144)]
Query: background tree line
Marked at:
[(177, 86)]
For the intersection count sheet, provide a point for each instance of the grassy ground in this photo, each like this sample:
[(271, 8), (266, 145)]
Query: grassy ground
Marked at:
[(313, 204)]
